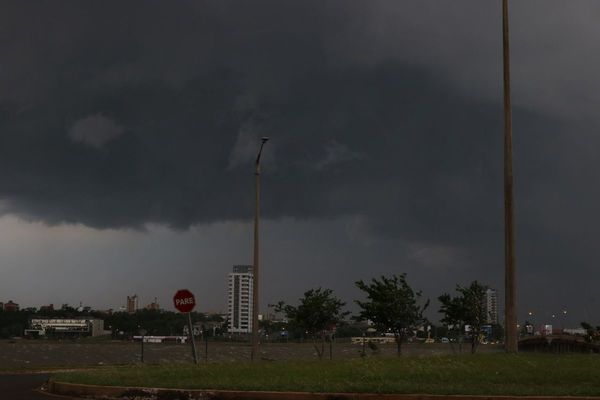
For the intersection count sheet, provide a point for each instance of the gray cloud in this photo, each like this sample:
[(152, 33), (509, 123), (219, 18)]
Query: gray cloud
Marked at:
[(95, 130), (337, 153), (198, 95)]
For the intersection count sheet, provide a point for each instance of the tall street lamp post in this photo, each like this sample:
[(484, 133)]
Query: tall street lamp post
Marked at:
[(532, 320), (510, 320), (255, 267)]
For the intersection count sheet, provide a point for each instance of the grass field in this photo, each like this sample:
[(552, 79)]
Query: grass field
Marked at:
[(536, 374)]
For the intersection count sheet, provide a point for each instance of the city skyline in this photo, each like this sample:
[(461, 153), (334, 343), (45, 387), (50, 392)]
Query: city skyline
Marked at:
[(128, 138), (135, 303)]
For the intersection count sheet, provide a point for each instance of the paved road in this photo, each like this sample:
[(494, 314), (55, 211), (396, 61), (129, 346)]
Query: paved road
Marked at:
[(24, 387)]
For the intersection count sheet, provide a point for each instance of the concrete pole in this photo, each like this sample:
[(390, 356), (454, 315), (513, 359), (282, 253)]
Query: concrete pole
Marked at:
[(255, 266), (192, 342), (510, 285)]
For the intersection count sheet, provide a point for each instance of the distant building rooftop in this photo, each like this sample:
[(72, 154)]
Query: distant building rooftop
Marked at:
[(242, 269)]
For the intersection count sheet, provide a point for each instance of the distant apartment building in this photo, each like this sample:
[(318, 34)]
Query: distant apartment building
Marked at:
[(10, 306), (47, 308), (239, 305), (132, 304), (491, 306), (154, 305)]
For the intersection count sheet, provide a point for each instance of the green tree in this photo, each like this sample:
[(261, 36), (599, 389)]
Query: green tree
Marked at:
[(346, 329), (272, 329), (318, 312), (467, 309), (13, 323), (392, 306)]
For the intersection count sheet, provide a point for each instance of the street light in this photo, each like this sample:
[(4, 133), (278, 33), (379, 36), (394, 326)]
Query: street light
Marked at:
[(532, 320), (255, 266)]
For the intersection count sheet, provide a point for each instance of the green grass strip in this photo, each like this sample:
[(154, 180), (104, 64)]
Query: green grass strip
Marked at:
[(497, 374)]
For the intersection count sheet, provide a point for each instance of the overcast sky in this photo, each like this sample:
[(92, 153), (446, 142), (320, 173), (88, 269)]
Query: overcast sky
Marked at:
[(128, 132)]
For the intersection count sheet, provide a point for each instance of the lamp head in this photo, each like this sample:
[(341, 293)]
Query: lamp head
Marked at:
[(264, 139)]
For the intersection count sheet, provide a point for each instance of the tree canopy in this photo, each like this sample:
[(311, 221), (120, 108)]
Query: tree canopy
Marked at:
[(319, 311), (467, 309), (392, 306)]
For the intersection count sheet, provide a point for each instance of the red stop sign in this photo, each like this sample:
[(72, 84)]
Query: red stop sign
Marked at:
[(184, 301)]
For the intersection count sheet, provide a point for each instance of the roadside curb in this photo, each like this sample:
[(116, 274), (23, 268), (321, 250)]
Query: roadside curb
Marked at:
[(40, 371), (142, 393)]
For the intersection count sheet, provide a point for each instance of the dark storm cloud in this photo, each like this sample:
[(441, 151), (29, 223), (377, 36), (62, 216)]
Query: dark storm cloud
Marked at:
[(122, 114)]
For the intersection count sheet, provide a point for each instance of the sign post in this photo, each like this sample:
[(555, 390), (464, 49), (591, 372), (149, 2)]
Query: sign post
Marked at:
[(184, 301)]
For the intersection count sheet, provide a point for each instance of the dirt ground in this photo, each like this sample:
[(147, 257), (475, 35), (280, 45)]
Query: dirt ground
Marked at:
[(30, 354)]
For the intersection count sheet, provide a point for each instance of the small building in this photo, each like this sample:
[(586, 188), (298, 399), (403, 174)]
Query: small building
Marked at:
[(575, 331), (160, 339), (66, 327), (154, 305), (197, 328)]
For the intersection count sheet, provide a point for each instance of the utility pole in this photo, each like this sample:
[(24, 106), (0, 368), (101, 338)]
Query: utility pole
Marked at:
[(255, 266), (510, 285)]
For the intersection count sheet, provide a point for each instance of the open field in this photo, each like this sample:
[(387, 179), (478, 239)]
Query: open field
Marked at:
[(31, 354), (490, 374)]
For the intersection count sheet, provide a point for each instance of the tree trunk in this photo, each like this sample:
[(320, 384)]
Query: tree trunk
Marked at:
[(398, 344), (474, 343), (319, 347)]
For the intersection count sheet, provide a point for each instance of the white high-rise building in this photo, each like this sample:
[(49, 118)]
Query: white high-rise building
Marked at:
[(491, 306), (239, 305)]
